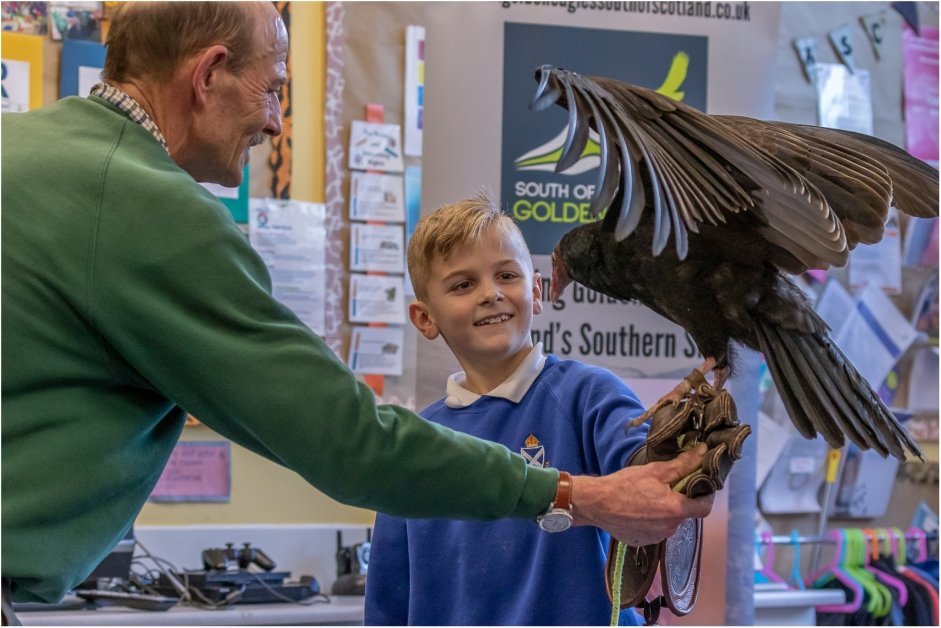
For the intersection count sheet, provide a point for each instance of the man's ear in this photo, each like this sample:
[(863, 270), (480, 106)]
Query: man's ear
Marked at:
[(421, 318), (206, 71), (537, 293)]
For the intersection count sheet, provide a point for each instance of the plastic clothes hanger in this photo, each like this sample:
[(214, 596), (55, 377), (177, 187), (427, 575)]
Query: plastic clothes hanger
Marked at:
[(883, 576), (767, 564), (898, 549), (921, 544), (795, 580), (833, 571), (879, 598)]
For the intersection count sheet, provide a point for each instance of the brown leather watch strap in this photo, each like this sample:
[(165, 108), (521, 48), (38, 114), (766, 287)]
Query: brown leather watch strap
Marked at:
[(563, 492)]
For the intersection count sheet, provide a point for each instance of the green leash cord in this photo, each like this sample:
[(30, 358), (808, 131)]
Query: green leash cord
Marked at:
[(616, 584)]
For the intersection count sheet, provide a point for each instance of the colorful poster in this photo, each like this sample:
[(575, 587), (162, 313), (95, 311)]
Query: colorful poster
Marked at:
[(21, 72), (28, 18), (414, 88), (82, 62), (546, 204), (375, 146), (75, 20), (921, 92)]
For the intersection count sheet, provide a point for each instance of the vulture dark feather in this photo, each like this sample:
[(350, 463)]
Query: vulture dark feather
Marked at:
[(746, 203)]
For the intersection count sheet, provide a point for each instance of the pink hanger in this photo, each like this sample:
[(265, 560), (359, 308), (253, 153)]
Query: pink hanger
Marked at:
[(767, 566)]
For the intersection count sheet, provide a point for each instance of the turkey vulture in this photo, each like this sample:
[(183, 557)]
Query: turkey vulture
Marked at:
[(746, 202)]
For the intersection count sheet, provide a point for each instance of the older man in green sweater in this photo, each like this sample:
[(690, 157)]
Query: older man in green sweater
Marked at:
[(130, 297)]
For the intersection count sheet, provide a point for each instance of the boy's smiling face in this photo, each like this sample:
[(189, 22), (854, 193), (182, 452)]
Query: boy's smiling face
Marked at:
[(482, 299)]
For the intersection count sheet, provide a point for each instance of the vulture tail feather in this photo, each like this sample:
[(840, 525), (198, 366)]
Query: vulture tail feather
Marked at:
[(825, 394), (785, 378)]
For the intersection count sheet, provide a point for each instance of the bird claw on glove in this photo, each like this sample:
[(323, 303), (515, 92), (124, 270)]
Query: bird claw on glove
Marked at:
[(706, 415)]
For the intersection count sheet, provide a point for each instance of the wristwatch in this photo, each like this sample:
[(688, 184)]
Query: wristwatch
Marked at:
[(558, 518)]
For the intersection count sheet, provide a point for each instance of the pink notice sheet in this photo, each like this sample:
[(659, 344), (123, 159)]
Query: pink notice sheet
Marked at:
[(198, 471), (921, 92)]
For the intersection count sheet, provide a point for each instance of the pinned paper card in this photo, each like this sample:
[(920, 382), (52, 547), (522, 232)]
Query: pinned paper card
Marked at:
[(834, 305), (921, 93), (806, 48), (842, 39), (375, 196), (875, 335), (865, 484), (879, 264), (874, 25), (794, 481), (920, 247), (923, 381), (375, 146), (844, 100), (291, 237), (196, 472), (377, 350), (377, 248), (376, 299)]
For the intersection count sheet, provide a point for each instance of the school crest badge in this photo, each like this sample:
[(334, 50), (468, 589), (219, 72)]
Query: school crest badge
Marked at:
[(533, 452)]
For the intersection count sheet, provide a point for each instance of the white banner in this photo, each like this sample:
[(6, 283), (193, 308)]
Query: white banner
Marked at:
[(731, 49)]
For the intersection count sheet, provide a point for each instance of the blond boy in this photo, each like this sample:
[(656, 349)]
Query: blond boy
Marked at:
[(475, 286)]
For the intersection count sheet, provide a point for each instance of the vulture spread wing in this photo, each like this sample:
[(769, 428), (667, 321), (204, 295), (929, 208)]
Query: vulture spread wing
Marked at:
[(744, 201)]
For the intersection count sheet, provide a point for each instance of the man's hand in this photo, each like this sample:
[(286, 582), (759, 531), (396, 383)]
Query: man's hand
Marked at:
[(636, 504)]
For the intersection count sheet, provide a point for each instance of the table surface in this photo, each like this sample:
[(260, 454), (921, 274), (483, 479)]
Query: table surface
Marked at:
[(341, 610)]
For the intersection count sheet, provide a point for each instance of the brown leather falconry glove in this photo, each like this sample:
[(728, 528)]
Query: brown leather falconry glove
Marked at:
[(706, 415)]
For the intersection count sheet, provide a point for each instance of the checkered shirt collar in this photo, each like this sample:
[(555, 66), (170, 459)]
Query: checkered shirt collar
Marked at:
[(131, 107)]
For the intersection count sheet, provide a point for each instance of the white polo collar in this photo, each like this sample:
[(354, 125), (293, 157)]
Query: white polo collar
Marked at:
[(513, 387)]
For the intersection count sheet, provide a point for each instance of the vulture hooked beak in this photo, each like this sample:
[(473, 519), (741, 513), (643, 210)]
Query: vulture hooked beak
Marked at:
[(560, 276)]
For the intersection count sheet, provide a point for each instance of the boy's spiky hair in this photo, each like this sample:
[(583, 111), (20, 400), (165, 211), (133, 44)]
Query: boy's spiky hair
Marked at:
[(453, 226)]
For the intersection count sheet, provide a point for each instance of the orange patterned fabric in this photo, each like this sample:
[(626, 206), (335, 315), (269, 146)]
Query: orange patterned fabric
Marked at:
[(282, 147)]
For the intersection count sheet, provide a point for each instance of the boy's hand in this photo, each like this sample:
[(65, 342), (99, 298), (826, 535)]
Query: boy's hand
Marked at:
[(637, 505)]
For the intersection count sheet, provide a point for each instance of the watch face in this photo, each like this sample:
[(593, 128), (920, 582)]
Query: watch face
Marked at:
[(556, 521)]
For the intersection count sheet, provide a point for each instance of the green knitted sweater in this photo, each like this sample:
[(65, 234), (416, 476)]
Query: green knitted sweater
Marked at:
[(128, 296)]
